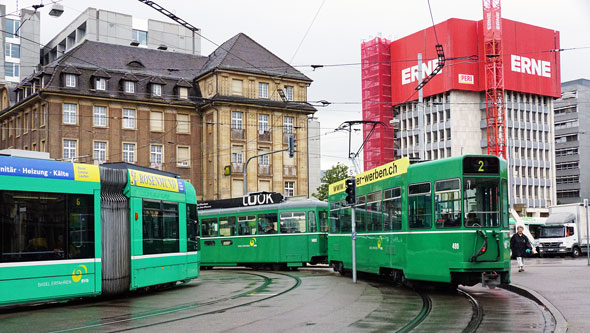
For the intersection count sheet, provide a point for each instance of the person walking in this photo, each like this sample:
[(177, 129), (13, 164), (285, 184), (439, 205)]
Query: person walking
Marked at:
[(520, 246)]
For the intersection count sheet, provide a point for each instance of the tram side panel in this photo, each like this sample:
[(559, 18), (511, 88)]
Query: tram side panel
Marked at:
[(50, 230)]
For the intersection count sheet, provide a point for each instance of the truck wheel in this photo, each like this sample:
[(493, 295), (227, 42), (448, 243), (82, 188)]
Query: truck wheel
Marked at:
[(576, 252)]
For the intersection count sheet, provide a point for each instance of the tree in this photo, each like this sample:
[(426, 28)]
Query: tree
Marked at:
[(336, 173)]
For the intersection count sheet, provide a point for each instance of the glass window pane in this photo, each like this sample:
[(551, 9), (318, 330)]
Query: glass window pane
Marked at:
[(192, 228), (227, 226), (45, 226), (447, 204), (481, 202), (247, 224), (292, 222), (419, 206), (312, 225), (160, 227), (209, 227), (267, 223)]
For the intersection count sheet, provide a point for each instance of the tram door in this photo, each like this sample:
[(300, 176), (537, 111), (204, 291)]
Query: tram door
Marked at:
[(293, 227)]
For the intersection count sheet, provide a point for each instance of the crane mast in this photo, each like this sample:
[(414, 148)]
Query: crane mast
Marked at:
[(494, 78)]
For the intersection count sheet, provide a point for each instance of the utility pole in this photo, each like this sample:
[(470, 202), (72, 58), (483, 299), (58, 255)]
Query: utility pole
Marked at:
[(587, 232), (245, 172), (421, 129)]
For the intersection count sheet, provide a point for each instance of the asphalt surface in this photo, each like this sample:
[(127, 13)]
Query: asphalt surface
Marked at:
[(565, 282), (308, 300)]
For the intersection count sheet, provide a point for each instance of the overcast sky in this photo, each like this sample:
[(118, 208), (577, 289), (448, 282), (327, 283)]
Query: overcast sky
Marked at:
[(335, 37)]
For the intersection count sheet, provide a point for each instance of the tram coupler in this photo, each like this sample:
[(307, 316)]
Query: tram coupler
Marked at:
[(490, 280)]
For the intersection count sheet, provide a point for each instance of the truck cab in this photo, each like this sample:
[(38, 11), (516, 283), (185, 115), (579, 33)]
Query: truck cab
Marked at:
[(560, 236)]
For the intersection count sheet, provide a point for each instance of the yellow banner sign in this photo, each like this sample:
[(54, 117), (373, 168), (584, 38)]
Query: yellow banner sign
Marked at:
[(86, 172), (158, 182), (379, 173)]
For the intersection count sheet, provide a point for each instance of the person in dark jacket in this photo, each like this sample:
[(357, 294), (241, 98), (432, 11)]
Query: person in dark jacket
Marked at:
[(520, 246)]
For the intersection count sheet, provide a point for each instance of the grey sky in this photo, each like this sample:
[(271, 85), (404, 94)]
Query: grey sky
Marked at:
[(336, 35)]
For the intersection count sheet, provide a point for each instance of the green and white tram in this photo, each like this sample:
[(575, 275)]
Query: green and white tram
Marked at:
[(276, 235), (75, 230), (440, 221)]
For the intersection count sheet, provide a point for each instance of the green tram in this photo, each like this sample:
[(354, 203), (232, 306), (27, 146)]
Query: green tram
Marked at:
[(276, 235), (443, 221), (75, 230)]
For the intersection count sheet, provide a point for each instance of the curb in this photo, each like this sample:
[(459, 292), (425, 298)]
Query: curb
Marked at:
[(561, 324)]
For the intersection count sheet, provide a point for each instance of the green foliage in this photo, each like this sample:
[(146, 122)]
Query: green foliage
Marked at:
[(334, 174)]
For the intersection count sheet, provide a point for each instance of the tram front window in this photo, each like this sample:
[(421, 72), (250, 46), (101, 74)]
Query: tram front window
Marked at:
[(481, 202)]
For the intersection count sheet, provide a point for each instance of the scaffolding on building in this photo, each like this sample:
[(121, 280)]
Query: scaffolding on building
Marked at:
[(376, 87)]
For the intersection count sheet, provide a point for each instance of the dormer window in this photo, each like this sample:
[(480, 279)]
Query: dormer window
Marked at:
[(129, 87), (70, 80), (289, 92), (100, 83), (183, 93), (156, 90)]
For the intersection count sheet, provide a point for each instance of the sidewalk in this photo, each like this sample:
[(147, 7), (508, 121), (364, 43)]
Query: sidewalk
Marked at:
[(563, 282)]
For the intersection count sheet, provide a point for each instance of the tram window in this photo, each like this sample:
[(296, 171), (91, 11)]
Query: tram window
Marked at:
[(227, 226), (312, 223), (45, 226), (360, 215), (192, 228), (267, 223), (160, 227), (209, 227), (392, 209), (419, 206), (247, 225), (505, 203), (373, 213), (334, 217), (481, 205), (323, 215), (292, 222), (345, 219), (447, 203)]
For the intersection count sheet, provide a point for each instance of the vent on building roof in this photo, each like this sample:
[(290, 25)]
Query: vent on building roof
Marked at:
[(135, 64), (163, 47), (569, 94)]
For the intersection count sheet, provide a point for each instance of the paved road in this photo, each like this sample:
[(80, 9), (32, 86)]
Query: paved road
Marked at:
[(315, 300), (563, 282)]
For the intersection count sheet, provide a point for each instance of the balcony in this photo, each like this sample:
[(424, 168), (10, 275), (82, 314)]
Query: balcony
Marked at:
[(264, 136), (237, 168), (237, 134), (290, 171), (264, 170)]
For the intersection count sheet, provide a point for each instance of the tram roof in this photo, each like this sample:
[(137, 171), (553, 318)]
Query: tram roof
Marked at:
[(295, 204)]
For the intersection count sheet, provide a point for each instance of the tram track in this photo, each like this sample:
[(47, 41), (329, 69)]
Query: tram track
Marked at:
[(477, 315), (193, 305), (421, 316)]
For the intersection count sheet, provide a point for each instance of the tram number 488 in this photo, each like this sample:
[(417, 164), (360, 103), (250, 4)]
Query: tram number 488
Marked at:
[(455, 246)]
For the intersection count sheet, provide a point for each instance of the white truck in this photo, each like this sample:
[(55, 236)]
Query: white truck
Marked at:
[(565, 231)]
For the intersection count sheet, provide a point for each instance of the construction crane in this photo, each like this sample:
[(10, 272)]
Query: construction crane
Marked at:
[(494, 78)]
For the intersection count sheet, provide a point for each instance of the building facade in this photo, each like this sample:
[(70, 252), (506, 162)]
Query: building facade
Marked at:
[(572, 142), (187, 114), (20, 39), (451, 120), (121, 29)]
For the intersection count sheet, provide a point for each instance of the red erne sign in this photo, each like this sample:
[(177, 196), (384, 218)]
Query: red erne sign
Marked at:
[(528, 66)]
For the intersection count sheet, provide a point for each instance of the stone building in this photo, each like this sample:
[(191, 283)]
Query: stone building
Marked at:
[(188, 114)]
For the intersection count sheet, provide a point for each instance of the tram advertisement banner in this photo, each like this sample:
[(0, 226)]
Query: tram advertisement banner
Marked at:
[(22, 167), (158, 182), (379, 173)]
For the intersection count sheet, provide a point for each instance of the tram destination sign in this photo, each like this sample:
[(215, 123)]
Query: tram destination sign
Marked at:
[(379, 173), (481, 165), (251, 199)]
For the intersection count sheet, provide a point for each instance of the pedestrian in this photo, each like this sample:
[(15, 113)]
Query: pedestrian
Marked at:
[(520, 245)]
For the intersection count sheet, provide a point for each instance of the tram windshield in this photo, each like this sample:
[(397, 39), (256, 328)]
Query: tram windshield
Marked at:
[(481, 202)]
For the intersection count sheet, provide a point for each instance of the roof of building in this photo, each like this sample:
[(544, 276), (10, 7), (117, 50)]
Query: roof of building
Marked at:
[(242, 53), (584, 82)]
